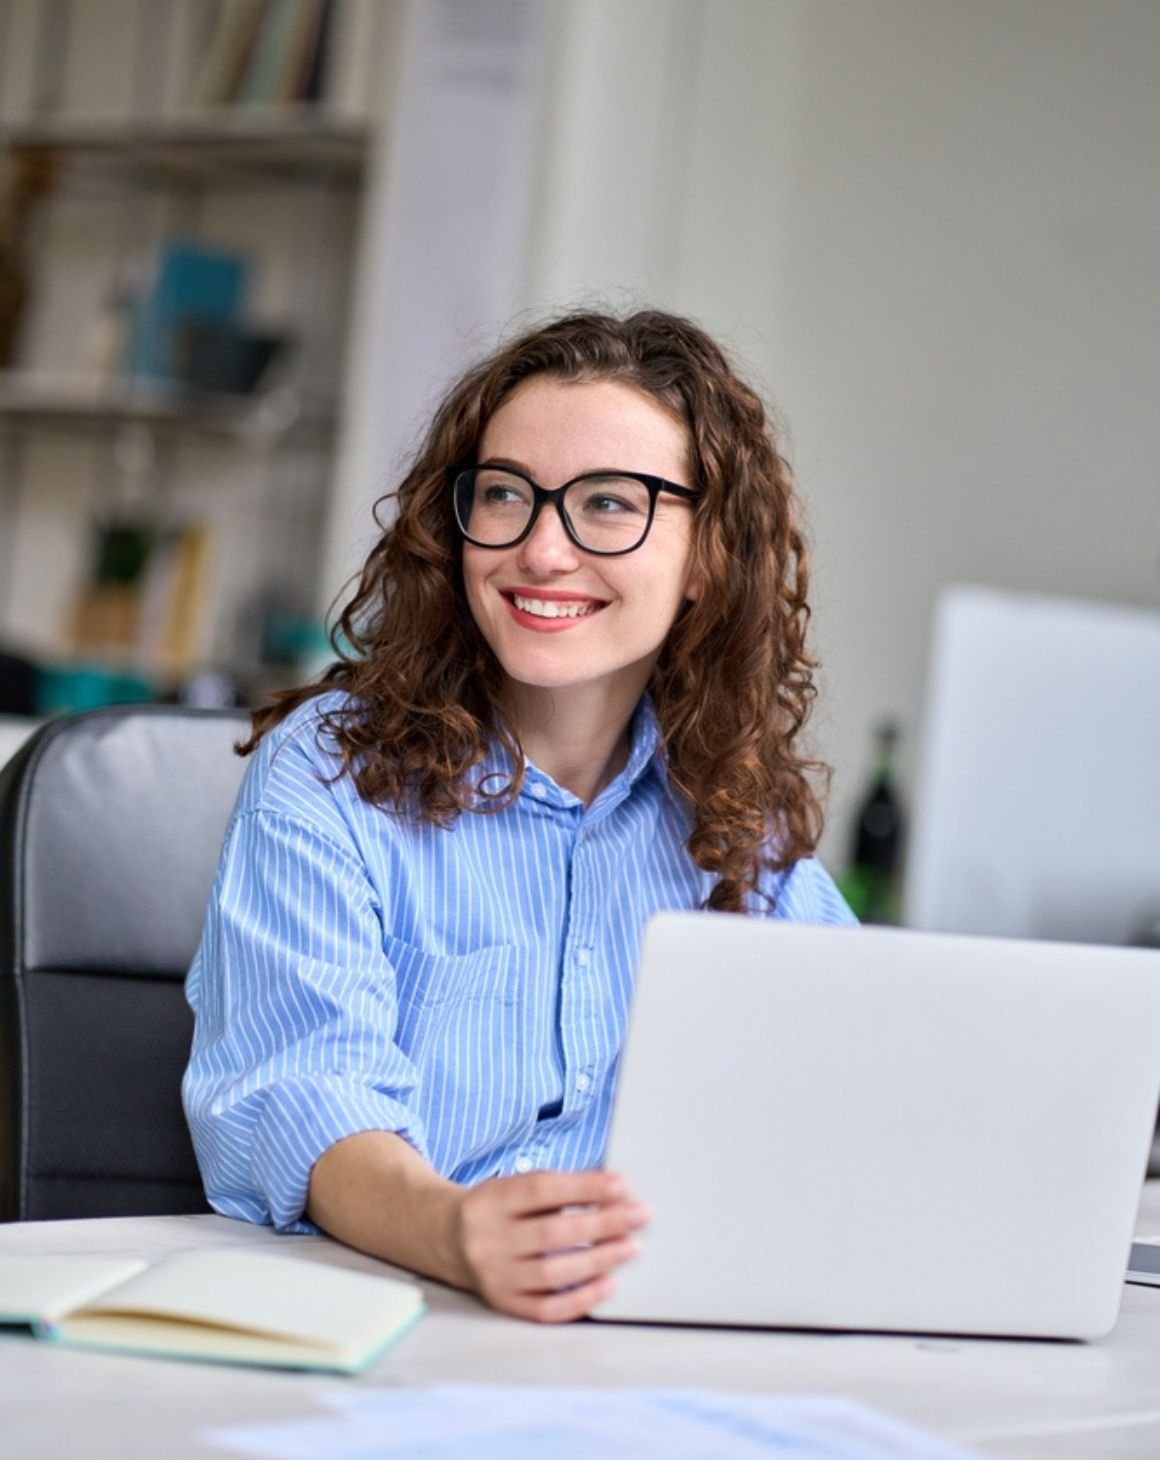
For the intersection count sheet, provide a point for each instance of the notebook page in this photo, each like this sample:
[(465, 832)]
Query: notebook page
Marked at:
[(44, 1288), (258, 1293)]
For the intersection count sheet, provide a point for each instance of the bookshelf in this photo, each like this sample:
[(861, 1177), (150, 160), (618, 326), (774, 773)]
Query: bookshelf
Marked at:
[(139, 161), (220, 147)]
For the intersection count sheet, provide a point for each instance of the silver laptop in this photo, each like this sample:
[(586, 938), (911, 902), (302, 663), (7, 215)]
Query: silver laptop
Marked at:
[(883, 1130)]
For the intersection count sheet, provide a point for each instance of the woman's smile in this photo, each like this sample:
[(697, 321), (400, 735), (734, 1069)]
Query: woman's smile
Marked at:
[(544, 611)]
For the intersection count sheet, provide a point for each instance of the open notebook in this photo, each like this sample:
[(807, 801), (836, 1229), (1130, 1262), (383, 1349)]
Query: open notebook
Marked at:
[(229, 1305)]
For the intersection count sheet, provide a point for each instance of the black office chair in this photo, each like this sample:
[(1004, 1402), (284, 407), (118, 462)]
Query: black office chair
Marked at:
[(110, 828)]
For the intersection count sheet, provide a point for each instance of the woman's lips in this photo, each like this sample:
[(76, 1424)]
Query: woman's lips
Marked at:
[(550, 613)]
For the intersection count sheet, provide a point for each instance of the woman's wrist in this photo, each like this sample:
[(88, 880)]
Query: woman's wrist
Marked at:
[(375, 1192), (449, 1264)]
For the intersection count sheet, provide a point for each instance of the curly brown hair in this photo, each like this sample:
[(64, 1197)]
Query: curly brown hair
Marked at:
[(734, 682)]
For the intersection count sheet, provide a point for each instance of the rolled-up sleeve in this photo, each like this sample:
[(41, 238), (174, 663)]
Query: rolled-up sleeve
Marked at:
[(295, 1014)]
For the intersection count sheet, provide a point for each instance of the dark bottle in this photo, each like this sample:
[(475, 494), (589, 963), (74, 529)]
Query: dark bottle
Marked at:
[(871, 885)]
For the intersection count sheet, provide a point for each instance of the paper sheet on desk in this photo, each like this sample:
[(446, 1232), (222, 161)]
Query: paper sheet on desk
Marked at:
[(502, 1422)]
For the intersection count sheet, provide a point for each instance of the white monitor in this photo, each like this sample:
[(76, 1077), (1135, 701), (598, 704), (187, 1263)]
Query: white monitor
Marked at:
[(1036, 811)]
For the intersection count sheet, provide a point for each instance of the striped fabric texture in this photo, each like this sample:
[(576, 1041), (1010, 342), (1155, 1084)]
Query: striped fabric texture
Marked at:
[(467, 987)]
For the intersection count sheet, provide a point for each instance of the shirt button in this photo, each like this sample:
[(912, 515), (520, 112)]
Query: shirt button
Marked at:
[(524, 1164), (582, 1082), (583, 957), (539, 790)]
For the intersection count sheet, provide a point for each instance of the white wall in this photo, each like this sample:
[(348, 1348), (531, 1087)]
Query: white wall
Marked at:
[(933, 230)]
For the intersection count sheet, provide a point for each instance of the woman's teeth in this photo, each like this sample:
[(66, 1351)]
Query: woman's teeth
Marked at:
[(552, 608)]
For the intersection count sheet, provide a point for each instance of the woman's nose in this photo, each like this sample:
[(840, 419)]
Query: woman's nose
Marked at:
[(548, 548)]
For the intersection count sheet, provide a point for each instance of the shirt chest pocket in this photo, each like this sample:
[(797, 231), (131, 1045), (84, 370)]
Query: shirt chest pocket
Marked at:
[(461, 1005), (461, 1023)]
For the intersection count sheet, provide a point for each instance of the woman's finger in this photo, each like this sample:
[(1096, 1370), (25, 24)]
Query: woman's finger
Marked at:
[(561, 1307), (556, 1271), (537, 1235), (549, 1191)]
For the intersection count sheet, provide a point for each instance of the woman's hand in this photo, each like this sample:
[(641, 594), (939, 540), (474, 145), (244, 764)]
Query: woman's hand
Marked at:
[(540, 1246), (544, 1246)]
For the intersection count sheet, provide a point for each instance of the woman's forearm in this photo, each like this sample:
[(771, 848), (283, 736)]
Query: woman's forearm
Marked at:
[(541, 1245), (375, 1192)]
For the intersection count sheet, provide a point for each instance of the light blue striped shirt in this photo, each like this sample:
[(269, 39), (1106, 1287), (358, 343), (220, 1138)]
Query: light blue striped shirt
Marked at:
[(467, 987)]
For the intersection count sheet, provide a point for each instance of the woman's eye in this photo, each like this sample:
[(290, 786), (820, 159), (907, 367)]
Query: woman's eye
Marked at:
[(606, 504), (498, 496), (611, 497)]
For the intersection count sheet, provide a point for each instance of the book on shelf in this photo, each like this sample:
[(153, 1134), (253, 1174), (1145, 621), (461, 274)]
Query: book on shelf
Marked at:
[(217, 1304), (314, 55), (295, 57), (273, 53), (175, 599), (223, 64), (267, 62), (190, 283)]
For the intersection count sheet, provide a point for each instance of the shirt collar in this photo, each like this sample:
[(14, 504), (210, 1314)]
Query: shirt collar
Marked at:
[(646, 745), (645, 752)]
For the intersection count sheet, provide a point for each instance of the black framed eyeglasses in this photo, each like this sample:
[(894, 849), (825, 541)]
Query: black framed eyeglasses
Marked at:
[(603, 512)]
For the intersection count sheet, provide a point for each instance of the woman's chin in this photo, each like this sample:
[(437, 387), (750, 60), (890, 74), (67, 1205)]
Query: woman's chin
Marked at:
[(533, 677)]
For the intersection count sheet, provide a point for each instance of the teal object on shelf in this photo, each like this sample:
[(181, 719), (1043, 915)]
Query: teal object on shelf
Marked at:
[(192, 284), (68, 689)]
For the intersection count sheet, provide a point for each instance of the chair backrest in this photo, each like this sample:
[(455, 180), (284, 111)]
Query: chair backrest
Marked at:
[(110, 827)]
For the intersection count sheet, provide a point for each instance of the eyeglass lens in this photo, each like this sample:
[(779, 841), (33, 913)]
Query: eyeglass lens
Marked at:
[(608, 514)]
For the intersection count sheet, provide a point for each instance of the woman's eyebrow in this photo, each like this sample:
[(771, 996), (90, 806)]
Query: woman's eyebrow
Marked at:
[(507, 463)]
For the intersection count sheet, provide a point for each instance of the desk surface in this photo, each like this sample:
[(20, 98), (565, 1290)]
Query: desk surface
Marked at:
[(1018, 1399)]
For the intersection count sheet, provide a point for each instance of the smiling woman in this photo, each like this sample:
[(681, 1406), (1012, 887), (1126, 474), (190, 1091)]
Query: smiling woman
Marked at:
[(576, 679)]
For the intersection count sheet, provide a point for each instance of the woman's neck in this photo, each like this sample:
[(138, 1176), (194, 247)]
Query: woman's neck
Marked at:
[(579, 736)]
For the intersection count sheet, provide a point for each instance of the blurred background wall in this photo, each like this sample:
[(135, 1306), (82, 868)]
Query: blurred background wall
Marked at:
[(933, 228), (930, 229)]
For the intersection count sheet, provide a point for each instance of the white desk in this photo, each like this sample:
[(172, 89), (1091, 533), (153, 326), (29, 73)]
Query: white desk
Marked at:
[(1017, 1399)]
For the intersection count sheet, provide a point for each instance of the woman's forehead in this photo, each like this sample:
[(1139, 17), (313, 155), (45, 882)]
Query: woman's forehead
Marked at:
[(567, 427)]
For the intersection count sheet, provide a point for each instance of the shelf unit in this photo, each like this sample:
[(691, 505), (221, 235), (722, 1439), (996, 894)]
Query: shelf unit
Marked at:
[(258, 464)]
